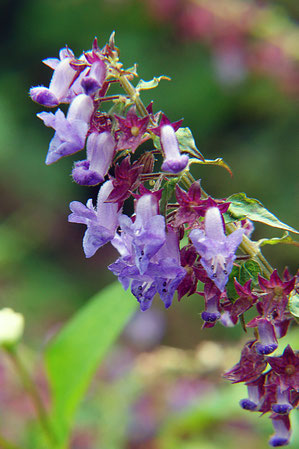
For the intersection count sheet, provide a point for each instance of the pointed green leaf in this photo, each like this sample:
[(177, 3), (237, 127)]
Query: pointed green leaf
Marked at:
[(145, 85), (219, 161), (286, 238), (187, 143), (243, 207), (74, 355), (247, 270)]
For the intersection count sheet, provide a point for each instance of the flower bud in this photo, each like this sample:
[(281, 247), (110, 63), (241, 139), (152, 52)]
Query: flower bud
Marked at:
[(11, 327)]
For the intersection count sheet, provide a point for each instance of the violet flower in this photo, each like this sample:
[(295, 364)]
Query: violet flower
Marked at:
[(256, 392), (101, 221), (147, 231), (163, 273), (267, 338), (71, 130), (61, 81), (100, 150), (94, 79), (216, 249), (282, 427), (174, 161)]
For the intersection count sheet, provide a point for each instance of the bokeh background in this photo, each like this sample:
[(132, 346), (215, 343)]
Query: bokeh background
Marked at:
[(234, 67)]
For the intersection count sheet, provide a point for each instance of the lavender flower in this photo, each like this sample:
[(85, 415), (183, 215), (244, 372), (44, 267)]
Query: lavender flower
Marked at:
[(174, 161), (216, 249), (95, 77), (70, 131), (101, 221), (147, 232), (282, 429), (100, 150), (163, 273), (62, 78)]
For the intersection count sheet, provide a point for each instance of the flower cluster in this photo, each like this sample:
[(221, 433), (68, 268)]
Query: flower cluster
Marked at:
[(179, 239)]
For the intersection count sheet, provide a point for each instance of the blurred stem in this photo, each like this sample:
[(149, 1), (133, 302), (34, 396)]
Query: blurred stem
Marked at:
[(4, 444), (247, 246), (32, 392)]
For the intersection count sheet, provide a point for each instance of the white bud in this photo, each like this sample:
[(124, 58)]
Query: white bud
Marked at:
[(11, 327)]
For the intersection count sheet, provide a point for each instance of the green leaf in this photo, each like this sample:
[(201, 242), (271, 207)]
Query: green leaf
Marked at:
[(243, 207), (145, 85), (294, 304), (219, 161), (187, 143), (167, 193), (74, 355), (286, 238), (248, 270)]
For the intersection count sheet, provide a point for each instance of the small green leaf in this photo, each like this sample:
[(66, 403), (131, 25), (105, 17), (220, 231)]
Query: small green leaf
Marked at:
[(187, 143), (294, 304), (230, 286), (249, 270), (167, 193), (145, 85), (219, 161), (74, 355), (286, 238), (243, 207)]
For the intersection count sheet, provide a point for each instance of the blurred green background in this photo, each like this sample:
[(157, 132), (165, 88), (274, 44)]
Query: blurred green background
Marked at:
[(251, 120)]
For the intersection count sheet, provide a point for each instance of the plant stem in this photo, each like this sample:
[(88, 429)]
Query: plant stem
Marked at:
[(4, 444), (247, 246), (33, 393)]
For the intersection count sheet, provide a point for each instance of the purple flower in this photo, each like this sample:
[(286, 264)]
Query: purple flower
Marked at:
[(174, 161), (216, 249), (100, 150), (95, 77), (163, 273), (282, 406), (60, 83), (101, 221), (256, 392), (282, 427), (71, 130), (267, 338), (147, 231)]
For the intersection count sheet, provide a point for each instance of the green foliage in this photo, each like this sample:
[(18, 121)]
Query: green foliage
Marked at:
[(248, 270), (168, 190), (145, 85), (219, 161), (285, 238), (74, 355), (243, 207), (187, 142)]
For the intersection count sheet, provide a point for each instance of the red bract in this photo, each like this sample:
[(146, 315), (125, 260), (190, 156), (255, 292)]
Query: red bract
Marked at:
[(132, 129), (126, 179), (191, 206), (287, 367), (250, 366)]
